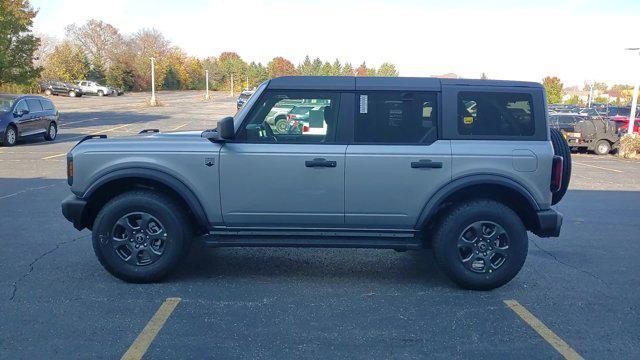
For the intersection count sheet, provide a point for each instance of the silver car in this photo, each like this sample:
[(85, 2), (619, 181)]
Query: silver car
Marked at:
[(465, 167)]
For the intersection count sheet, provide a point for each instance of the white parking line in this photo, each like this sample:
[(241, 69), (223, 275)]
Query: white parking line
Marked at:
[(179, 127), (76, 122), (597, 167), (25, 190)]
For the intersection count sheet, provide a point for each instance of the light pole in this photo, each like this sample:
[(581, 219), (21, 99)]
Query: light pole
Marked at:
[(634, 100), (153, 101), (231, 85), (206, 82)]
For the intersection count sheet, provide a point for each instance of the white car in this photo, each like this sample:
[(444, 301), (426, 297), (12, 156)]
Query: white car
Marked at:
[(93, 88)]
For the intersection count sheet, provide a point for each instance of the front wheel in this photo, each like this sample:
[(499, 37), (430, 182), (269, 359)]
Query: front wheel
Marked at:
[(72, 93), (480, 245), (47, 92), (141, 236), (10, 136), (100, 93)]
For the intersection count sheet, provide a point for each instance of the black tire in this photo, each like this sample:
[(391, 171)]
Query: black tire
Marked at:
[(561, 148), (9, 139), (100, 93), (52, 132), (603, 147), (72, 93), (449, 254), (170, 217), (47, 92)]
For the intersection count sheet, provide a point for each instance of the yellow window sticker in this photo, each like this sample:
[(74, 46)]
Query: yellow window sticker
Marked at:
[(468, 120)]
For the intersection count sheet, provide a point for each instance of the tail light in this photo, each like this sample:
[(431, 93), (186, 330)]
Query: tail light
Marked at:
[(556, 173), (305, 128)]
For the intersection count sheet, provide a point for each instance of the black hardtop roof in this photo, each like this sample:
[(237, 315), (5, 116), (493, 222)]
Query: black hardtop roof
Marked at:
[(385, 83)]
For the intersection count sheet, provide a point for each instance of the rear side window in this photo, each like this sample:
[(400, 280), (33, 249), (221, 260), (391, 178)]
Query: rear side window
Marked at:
[(495, 114), (34, 105), (388, 117), (47, 105)]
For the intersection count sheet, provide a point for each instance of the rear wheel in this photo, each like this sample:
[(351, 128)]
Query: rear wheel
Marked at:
[(100, 93), (72, 93), (281, 125), (10, 136), (561, 148), (141, 236), (603, 147), (480, 245), (52, 132)]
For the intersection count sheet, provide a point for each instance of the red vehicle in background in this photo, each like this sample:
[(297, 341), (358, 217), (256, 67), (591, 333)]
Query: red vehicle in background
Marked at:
[(620, 117)]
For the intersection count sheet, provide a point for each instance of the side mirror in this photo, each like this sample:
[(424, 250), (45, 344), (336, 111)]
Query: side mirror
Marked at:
[(226, 129)]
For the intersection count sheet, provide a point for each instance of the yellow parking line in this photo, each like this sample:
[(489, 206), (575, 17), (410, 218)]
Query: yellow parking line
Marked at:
[(53, 156), (598, 167), (142, 342), (554, 340), (179, 127)]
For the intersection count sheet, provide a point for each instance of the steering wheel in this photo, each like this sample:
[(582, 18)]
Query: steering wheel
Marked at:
[(269, 131)]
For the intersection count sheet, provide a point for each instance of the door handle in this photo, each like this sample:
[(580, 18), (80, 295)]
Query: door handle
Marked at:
[(320, 162), (426, 163)]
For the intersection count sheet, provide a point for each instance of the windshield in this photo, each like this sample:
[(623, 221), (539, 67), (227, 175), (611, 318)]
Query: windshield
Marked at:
[(6, 104)]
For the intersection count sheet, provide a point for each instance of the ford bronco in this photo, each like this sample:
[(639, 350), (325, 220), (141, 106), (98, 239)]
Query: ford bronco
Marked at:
[(463, 167)]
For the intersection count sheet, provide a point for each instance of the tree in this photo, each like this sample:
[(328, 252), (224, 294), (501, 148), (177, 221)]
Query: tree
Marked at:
[(67, 63), (336, 68), (171, 80), (326, 69), (347, 70), (280, 66), (230, 64), (362, 70), (553, 86), (17, 43), (145, 44), (316, 67), (573, 100), (484, 76), (257, 73), (305, 68), (387, 69), (99, 41)]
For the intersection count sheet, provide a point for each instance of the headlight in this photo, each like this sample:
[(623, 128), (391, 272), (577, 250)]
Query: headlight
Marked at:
[(574, 134)]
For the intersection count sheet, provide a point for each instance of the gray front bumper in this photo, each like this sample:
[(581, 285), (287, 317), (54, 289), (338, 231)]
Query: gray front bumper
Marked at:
[(72, 209)]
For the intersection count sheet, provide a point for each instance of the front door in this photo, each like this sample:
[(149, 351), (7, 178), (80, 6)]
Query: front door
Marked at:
[(396, 162), (284, 169), (24, 119)]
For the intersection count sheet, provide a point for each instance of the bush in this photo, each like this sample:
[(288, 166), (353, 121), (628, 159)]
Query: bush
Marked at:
[(630, 146)]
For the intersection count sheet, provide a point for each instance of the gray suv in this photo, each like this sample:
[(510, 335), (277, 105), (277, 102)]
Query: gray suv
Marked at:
[(464, 167)]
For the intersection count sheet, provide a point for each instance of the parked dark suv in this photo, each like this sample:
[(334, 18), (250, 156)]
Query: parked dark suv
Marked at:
[(60, 88), (27, 115)]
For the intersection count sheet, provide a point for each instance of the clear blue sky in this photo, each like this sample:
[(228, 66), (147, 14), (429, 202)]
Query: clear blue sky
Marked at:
[(576, 40)]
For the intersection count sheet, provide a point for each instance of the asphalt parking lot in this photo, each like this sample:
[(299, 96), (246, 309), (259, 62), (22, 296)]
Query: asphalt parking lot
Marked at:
[(56, 301)]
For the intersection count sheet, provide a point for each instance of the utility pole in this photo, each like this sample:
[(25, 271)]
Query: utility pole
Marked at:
[(590, 94), (206, 85), (247, 88), (153, 101), (634, 101), (231, 85)]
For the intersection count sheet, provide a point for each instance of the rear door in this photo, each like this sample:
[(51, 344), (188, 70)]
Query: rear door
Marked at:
[(396, 161), (284, 176)]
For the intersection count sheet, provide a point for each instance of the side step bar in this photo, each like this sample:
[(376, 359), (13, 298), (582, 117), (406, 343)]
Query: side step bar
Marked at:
[(314, 242)]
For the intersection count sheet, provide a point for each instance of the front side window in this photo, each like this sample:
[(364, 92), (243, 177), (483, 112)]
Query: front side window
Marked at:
[(21, 106), (394, 117), (495, 114), (292, 117)]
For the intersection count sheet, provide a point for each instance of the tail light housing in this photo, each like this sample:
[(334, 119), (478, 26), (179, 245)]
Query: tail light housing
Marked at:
[(556, 173)]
